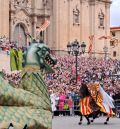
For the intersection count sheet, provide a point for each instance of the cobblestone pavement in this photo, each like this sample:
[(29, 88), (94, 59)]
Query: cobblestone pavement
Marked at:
[(72, 123)]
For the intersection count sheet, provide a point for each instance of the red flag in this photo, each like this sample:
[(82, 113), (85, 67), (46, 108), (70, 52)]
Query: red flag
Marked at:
[(44, 25), (91, 44)]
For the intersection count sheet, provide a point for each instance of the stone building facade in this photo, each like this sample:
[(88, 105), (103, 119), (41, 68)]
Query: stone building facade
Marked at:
[(115, 42), (4, 18), (69, 20)]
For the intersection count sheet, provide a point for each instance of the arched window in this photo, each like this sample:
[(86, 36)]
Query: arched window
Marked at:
[(114, 53), (19, 35), (101, 19)]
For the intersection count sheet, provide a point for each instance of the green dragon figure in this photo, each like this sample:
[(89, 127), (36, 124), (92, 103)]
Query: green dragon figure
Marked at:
[(29, 102)]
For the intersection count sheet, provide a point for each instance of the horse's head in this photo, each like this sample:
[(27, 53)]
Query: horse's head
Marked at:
[(39, 54), (84, 92)]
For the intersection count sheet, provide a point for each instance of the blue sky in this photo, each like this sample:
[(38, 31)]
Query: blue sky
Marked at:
[(115, 13)]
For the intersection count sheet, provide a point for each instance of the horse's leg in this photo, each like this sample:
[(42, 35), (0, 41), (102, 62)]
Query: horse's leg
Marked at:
[(95, 114), (107, 120), (88, 120), (81, 118)]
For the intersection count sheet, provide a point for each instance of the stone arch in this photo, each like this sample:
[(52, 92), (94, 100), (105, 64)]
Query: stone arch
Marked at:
[(19, 32)]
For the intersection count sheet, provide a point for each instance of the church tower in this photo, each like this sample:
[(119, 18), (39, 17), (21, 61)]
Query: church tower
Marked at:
[(69, 20), (81, 20)]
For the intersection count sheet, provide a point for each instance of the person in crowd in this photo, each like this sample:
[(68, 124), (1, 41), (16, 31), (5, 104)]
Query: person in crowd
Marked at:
[(65, 108), (61, 101), (53, 99), (63, 81), (71, 105)]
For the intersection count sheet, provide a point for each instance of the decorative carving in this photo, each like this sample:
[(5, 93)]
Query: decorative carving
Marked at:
[(29, 4), (17, 5), (101, 19), (21, 2), (24, 4), (45, 2), (76, 16), (21, 17)]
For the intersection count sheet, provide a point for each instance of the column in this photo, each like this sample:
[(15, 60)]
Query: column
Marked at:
[(5, 16), (68, 25), (92, 22), (34, 26)]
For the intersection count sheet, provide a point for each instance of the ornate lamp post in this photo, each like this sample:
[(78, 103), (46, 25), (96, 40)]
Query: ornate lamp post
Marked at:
[(105, 49), (75, 49)]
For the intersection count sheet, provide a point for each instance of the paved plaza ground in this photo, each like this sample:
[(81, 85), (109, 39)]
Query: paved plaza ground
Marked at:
[(72, 123)]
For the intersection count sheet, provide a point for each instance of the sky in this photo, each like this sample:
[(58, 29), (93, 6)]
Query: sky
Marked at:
[(115, 13)]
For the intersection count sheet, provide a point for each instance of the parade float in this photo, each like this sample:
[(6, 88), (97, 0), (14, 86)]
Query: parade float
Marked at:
[(27, 103)]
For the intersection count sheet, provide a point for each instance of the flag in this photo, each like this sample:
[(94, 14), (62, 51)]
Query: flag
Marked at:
[(85, 107), (44, 25), (91, 44)]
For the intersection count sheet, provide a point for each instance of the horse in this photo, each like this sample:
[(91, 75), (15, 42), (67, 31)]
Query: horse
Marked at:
[(91, 103), (85, 107)]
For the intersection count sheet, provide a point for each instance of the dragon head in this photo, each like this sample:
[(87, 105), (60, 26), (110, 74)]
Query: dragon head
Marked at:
[(39, 54)]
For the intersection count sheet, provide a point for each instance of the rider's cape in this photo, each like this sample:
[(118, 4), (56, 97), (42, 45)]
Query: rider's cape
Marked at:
[(85, 107), (102, 99)]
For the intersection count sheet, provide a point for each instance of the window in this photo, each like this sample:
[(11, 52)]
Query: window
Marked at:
[(114, 54), (40, 36), (19, 35), (113, 34), (101, 19), (112, 43)]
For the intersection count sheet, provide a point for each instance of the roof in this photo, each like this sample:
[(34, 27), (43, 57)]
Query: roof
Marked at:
[(117, 28)]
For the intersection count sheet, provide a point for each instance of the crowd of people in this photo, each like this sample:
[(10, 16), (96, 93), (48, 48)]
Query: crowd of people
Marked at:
[(62, 86), (5, 45), (13, 77)]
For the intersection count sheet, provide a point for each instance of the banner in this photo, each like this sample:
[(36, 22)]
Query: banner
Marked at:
[(44, 26), (91, 38)]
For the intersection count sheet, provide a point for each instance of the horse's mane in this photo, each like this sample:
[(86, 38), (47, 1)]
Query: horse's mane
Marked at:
[(84, 92)]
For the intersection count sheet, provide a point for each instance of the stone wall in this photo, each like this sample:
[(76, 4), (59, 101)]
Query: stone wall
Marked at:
[(4, 18), (64, 29), (69, 20)]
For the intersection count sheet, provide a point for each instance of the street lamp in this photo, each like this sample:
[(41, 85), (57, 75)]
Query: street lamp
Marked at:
[(105, 49), (75, 49)]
